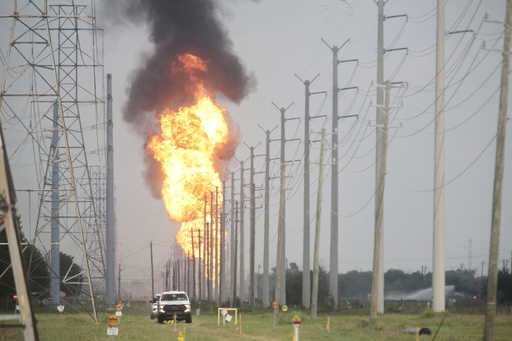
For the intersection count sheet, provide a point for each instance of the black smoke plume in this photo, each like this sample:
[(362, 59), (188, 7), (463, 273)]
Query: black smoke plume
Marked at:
[(177, 27)]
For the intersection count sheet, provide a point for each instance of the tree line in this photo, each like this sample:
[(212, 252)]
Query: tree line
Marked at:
[(357, 284), (38, 272)]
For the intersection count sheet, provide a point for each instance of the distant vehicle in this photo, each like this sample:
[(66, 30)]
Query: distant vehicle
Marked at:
[(174, 303), (154, 306)]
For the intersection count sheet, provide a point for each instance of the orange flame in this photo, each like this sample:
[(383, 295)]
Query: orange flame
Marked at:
[(185, 148)]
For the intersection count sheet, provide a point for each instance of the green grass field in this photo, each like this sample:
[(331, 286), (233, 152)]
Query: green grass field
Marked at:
[(259, 325)]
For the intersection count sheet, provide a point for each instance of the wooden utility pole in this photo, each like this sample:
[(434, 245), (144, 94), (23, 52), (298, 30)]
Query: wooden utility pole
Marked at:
[(314, 296), (12, 230), (492, 278), (378, 137)]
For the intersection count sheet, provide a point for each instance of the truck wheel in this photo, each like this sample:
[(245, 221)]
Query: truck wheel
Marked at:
[(189, 319), (160, 320)]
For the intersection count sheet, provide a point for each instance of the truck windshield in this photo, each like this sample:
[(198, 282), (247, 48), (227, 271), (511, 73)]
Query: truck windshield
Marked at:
[(173, 297)]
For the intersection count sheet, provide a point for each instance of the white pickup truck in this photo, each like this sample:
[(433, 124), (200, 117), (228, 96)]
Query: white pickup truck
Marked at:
[(174, 304), (154, 306)]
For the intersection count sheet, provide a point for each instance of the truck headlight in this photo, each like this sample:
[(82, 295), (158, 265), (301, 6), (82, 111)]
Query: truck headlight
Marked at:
[(161, 309), (187, 308)]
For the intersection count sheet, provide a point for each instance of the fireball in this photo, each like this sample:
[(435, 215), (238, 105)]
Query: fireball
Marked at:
[(185, 149)]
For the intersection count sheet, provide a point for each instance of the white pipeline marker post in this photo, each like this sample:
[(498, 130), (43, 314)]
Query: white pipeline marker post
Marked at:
[(296, 321), (113, 330), (60, 308), (119, 312)]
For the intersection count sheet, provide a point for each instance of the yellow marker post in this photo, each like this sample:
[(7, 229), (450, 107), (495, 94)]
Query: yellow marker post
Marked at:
[(328, 322), (296, 321), (240, 323), (175, 322), (275, 305), (113, 322)]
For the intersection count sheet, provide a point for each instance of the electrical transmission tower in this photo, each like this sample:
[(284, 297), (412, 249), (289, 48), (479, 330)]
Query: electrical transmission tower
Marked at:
[(49, 107)]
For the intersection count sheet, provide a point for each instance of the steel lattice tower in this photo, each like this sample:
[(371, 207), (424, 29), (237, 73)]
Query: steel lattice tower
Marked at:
[(49, 94)]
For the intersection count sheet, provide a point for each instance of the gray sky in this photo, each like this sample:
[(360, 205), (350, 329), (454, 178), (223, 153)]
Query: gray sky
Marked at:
[(277, 39)]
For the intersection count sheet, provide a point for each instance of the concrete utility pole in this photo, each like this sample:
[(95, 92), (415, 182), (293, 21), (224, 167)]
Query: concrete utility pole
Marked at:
[(253, 231), (314, 300), (216, 244), (280, 290), (110, 239), (119, 283), (55, 222), (211, 282), (222, 277), (253, 240), (492, 278), (193, 265), (152, 271), (266, 301), (233, 250), (379, 211), (233, 297), (242, 239), (205, 253), (199, 272), (306, 282), (333, 272), (438, 272)]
